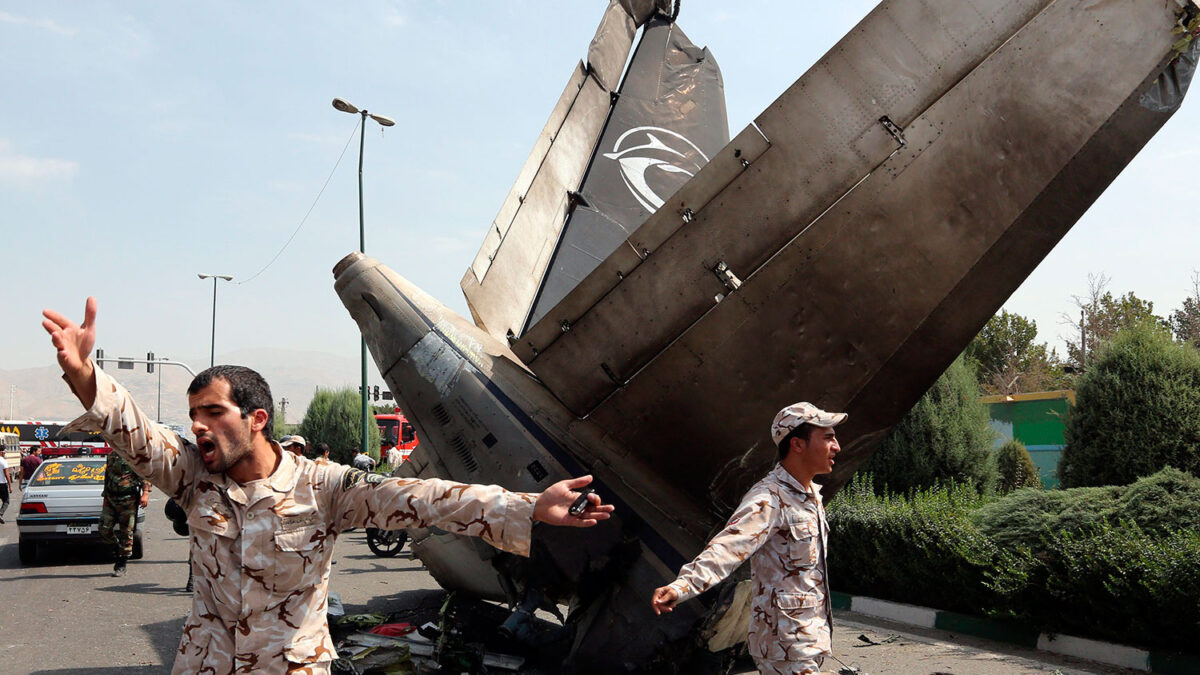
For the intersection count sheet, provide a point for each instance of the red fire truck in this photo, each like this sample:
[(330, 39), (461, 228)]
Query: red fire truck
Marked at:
[(395, 432)]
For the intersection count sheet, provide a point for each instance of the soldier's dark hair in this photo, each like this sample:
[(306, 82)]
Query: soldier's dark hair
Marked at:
[(247, 388), (803, 431), (318, 450)]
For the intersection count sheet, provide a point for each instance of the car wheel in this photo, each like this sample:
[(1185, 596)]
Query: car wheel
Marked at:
[(137, 546), (27, 551)]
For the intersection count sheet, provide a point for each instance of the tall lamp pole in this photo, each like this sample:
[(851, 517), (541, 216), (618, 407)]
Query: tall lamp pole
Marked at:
[(347, 107), (212, 355)]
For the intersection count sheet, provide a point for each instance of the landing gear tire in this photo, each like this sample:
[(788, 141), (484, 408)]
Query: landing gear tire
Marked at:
[(386, 543)]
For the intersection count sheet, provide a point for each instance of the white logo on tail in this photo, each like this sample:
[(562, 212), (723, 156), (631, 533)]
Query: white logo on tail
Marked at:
[(636, 161)]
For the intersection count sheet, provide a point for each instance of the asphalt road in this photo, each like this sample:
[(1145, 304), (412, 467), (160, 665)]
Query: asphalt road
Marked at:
[(69, 615)]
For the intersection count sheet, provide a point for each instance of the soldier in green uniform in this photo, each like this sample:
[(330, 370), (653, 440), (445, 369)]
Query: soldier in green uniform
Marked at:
[(124, 491)]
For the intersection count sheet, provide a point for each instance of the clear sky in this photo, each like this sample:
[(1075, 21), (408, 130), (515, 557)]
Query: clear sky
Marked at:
[(142, 143)]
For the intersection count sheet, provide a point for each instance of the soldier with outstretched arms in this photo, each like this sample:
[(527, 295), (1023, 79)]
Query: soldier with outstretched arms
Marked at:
[(263, 521)]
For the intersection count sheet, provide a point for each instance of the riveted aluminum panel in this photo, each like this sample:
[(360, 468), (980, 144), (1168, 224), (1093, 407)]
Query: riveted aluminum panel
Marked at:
[(516, 196), (500, 302), (610, 47), (825, 135), (871, 303)]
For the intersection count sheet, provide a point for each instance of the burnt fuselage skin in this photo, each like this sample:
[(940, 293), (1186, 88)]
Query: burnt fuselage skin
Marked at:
[(484, 418)]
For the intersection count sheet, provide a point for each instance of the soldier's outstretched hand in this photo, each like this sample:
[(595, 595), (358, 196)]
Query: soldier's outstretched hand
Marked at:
[(554, 504), (664, 599), (74, 342)]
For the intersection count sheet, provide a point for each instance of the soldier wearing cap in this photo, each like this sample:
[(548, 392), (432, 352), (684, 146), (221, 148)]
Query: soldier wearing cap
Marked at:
[(780, 527), (295, 444)]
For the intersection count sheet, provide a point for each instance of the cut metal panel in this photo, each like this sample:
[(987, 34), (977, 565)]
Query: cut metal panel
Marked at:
[(865, 309), (501, 302), (610, 47), (643, 10), (516, 196)]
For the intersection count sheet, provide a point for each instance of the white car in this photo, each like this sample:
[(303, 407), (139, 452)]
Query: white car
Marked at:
[(62, 503)]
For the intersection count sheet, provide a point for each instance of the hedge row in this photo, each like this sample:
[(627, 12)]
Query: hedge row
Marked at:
[(1110, 581)]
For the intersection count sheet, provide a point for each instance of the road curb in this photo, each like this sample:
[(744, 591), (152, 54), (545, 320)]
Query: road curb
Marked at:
[(1167, 663)]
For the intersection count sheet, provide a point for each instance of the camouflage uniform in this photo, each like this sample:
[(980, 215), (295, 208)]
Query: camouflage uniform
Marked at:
[(122, 493), (781, 528), (262, 551)]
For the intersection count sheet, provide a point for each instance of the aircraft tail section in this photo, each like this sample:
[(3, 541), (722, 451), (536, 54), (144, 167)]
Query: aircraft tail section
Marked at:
[(603, 163), (668, 120)]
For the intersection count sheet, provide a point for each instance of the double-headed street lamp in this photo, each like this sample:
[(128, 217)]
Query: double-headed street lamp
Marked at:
[(212, 355), (347, 107)]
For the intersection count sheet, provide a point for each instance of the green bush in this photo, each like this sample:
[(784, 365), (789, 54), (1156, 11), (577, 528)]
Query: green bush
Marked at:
[(945, 438), (1015, 468), (1119, 583), (1137, 409), (920, 549), (1159, 504)]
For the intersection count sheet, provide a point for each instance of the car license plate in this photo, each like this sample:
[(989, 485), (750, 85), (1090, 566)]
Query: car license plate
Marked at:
[(79, 529)]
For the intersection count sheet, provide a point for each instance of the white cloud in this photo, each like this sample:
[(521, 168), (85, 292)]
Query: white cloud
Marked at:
[(15, 167), (395, 19), (44, 24)]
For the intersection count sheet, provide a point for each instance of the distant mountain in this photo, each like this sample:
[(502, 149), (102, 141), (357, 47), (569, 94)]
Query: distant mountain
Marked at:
[(40, 393)]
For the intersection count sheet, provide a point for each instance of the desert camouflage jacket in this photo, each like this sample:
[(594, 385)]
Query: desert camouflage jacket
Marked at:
[(781, 529), (261, 551)]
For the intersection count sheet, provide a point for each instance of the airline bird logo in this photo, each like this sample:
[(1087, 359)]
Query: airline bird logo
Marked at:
[(655, 162)]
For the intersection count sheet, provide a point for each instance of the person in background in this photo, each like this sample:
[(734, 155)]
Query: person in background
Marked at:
[(4, 483), (320, 453), (124, 492), (363, 461), (294, 444), (29, 464)]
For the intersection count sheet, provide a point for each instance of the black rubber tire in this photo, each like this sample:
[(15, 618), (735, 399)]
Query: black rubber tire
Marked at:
[(386, 543), (27, 551), (137, 546)]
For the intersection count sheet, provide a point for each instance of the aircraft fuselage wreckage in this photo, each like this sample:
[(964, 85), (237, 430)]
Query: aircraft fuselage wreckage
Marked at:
[(651, 293)]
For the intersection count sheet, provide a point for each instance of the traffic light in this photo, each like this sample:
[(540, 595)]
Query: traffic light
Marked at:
[(100, 356), (150, 365), (376, 392)]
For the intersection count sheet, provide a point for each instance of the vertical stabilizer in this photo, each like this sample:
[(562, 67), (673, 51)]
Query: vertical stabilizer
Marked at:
[(669, 119)]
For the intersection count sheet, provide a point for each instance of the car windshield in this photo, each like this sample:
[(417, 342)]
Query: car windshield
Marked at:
[(69, 472)]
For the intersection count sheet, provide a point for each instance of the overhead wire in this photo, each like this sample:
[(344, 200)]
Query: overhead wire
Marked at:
[(310, 208)]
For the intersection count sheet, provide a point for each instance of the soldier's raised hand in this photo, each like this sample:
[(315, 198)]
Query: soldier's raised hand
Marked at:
[(553, 505), (74, 342)]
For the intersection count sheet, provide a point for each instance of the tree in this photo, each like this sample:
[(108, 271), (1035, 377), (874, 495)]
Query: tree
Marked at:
[(1185, 321), (1008, 361), (945, 437), (334, 417), (1101, 316), (1015, 468), (1137, 410)]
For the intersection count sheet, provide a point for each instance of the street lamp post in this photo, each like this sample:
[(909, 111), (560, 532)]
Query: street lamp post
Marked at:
[(347, 107), (212, 355)]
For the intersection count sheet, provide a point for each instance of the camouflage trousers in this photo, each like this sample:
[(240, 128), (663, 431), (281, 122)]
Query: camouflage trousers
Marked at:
[(766, 667), (118, 517)]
